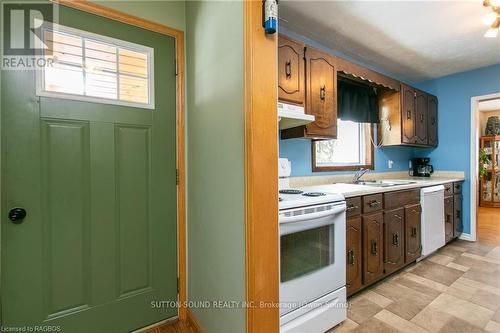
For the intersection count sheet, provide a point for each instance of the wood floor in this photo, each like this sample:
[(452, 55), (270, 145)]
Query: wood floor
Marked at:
[(488, 225), (171, 327)]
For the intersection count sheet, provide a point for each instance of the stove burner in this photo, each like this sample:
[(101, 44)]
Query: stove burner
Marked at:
[(314, 194), (290, 191)]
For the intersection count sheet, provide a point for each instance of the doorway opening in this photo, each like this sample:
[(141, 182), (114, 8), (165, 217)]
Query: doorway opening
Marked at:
[(485, 169)]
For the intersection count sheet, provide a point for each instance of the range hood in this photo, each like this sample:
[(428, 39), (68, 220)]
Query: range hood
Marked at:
[(290, 116)]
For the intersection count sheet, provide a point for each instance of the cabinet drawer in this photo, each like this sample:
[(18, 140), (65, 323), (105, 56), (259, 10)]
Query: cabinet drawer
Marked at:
[(353, 206), (393, 200), (372, 203), (448, 189), (457, 187)]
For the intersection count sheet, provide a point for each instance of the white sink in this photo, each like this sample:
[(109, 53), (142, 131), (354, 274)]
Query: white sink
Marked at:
[(385, 183)]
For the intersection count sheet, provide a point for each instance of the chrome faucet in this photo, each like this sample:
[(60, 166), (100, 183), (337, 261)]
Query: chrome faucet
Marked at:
[(359, 174)]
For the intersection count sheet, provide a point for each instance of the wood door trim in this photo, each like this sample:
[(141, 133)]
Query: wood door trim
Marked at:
[(261, 172), (178, 35), (193, 322)]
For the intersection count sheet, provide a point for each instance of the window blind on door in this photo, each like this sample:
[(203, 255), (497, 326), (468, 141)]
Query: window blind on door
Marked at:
[(97, 68)]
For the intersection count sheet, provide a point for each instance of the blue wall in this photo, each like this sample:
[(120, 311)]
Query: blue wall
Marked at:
[(454, 94), (298, 151)]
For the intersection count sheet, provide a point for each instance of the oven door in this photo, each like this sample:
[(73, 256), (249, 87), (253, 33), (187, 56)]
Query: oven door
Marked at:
[(312, 253)]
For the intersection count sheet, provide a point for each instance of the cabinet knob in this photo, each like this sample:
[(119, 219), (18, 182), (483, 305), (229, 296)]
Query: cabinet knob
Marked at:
[(414, 232), (395, 239), (374, 249)]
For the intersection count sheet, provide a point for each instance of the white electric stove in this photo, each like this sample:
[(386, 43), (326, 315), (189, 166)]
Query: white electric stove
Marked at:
[(312, 257)]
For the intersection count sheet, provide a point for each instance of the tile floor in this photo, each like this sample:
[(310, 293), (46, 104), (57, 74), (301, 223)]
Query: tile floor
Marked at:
[(455, 290)]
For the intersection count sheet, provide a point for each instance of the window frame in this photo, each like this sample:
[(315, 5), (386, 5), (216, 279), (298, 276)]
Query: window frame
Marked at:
[(39, 72), (352, 167)]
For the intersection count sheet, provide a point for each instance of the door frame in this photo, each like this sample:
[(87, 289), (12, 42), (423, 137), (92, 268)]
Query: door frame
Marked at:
[(261, 172), (474, 163), (178, 35)]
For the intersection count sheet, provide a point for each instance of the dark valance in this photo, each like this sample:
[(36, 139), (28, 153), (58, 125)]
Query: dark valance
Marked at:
[(357, 102)]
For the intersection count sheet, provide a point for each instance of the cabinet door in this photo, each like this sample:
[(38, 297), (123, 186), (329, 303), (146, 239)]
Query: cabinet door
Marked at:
[(321, 95), (448, 218), (373, 263), (353, 254), (432, 120), (394, 240), (421, 106), (457, 219), (412, 233), (291, 80), (408, 114)]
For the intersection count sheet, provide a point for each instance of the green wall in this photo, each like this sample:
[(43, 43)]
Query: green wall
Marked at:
[(166, 12), (215, 124)]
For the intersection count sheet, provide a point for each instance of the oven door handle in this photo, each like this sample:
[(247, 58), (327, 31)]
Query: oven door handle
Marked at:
[(312, 216)]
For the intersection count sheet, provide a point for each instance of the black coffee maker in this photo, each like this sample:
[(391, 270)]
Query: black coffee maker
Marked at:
[(421, 167)]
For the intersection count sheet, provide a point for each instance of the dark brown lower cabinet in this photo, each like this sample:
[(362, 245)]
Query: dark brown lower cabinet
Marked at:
[(373, 263), (413, 247), (394, 255), (353, 254), (448, 218), (457, 219)]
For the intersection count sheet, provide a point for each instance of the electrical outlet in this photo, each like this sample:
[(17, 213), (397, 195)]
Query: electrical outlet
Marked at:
[(390, 164)]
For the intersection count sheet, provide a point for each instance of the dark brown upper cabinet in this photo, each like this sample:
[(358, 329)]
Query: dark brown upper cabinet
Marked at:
[(408, 117), (421, 114), (432, 121), (321, 97), (408, 114), (291, 65)]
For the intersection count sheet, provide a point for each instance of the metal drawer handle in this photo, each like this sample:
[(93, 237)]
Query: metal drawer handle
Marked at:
[(408, 114), (374, 203), (421, 118), (397, 216), (448, 218), (374, 249), (395, 239), (322, 92), (458, 213), (351, 257), (414, 232), (433, 121), (351, 207), (288, 69)]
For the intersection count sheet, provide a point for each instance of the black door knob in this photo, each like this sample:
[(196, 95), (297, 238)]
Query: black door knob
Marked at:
[(17, 215)]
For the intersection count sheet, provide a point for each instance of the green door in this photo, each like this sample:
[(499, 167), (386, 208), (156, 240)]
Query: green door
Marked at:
[(99, 243)]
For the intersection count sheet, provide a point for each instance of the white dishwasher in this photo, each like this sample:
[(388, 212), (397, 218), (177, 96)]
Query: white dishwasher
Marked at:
[(432, 223)]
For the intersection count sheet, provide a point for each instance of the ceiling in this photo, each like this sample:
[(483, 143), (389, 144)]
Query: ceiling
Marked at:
[(491, 105), (413, 40)]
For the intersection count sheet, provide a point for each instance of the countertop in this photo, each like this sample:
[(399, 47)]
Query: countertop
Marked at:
[(354, 190)]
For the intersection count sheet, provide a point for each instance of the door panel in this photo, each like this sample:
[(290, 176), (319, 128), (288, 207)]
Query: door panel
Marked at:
[(321, 94), (373, 264), (448, 218), (421, 106), (66, 195), (412, 234), (353, 254), (291, 79), (98, 183), (408, 114), (394, 240), (432, 120), (457, 221)]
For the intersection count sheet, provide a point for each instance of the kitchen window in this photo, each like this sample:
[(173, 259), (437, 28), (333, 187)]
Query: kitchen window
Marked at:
[(94, 68), (352, 150)]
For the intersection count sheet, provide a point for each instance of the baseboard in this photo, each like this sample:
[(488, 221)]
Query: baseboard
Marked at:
[(466, 237), (191, 320)]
